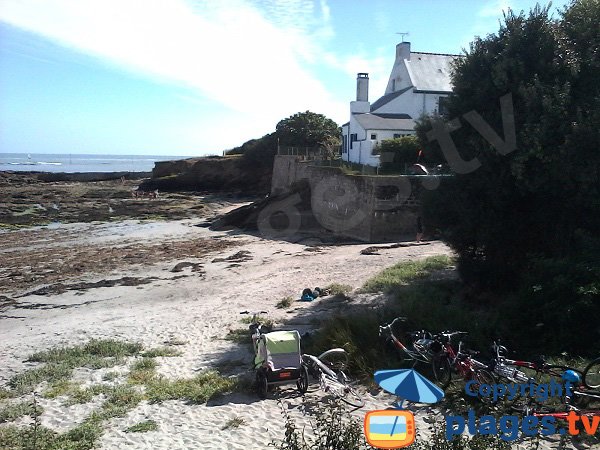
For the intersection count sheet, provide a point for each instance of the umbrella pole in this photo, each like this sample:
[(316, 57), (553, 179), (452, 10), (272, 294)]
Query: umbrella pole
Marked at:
[(399, 403), (394, 426)]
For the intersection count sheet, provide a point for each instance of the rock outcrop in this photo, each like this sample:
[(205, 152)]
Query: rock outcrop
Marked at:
[(211, 173)]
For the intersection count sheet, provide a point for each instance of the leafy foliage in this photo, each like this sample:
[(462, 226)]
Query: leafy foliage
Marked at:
[(308, 129), (523, 214), (400, 153), (303, 129)]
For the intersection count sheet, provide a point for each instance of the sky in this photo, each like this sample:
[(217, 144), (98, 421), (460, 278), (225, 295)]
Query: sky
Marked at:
[(196, 77)]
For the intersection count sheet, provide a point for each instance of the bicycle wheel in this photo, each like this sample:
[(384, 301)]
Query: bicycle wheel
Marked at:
[(336, 359), (441, 371), (352, 397), (591, 374), (302, 382), (556, 371), (484, 376), (262, 385)]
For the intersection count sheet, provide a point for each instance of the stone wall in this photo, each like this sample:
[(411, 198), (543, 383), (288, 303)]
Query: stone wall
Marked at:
[(367, 208)]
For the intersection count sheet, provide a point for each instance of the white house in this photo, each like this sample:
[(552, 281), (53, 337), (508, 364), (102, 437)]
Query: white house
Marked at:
[(418, 84)]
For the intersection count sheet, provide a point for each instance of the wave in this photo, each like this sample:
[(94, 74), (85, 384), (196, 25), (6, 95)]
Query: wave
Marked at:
[(36, 163)]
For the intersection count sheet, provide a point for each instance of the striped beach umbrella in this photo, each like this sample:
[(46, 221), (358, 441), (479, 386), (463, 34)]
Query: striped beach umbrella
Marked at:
[(408, 384)]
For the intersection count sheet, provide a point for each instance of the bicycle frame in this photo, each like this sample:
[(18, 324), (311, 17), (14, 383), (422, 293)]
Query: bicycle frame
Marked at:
[(464, 366), (415, 355)]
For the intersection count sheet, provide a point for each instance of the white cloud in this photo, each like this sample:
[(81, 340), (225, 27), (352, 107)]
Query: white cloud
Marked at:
[(246, 56), (495, 8)]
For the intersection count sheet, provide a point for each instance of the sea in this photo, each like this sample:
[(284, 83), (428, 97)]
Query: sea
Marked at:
[(69, 163)]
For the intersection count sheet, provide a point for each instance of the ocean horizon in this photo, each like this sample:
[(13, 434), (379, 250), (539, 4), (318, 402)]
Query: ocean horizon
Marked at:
[(70, 163)]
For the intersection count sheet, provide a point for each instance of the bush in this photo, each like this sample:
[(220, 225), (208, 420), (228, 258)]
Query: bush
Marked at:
[(398, 153), (333, 427)]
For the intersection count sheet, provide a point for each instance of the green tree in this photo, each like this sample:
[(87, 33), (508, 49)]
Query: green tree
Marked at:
[(528, 220), (308, 129), (398, 153)]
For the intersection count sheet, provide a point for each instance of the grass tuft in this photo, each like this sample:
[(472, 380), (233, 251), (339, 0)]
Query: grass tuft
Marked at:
[(403, 273), (338, 289), (234, 422), (13, 411), (160, 351), (25, 382), (5, 393), (175, 341), (142, 427), (91, 354), (285, 302), (143, 371), (199, 389), (60, 362), (60, 387), (110, 376)]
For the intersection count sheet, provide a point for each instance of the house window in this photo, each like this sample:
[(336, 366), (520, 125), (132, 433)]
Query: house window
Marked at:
[(399, 135), (345, 144), (353, 138), (443, 106), (373, 136)]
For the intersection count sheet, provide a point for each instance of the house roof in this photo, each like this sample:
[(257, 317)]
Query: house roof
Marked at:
[(385, 121), (430, 71), (388, 98)]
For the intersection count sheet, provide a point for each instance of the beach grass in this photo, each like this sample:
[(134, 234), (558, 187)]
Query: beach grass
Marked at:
[(110, 376), (239, 336), (404, 273), (284, 303), (60, 387), (25, 382), (160, 351), (338, 289), (58, 364), (119, 401), (5, 393), (175, 341), (142, 371), (198, 389), (234, 422), (143, 427), (14, 411), (96, 354)]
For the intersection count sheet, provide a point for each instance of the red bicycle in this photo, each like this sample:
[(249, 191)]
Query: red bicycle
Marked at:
[(460, 362)]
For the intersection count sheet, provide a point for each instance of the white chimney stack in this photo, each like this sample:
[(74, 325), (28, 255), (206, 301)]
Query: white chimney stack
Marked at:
[(362, 87), (402, 52)]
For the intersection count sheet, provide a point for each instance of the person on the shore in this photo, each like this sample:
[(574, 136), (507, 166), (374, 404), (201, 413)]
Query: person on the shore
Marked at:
[(419, 229)]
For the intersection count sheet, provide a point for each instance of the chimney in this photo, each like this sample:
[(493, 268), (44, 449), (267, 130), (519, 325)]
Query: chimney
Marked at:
[(402, 52), (362, 87)]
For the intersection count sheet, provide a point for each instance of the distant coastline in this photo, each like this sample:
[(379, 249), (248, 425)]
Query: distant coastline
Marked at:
[(80, 163)]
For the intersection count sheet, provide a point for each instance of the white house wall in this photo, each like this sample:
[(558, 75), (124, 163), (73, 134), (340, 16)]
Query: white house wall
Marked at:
[(415, 104)]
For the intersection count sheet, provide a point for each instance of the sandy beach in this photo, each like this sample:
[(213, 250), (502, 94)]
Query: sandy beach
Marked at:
[(178, 284)]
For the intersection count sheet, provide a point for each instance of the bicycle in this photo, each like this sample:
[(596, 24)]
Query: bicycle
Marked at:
[(578, 402), (463, 364), (591, 374), (418, 351), (520, 371), (329, 368)]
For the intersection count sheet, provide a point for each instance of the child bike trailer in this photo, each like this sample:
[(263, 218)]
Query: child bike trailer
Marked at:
[(279, 361)]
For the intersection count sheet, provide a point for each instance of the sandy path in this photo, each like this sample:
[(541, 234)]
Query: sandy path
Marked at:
[(199, 309)]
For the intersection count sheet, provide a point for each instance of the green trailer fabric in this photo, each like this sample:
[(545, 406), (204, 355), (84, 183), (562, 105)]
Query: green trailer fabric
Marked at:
[(283, 342)]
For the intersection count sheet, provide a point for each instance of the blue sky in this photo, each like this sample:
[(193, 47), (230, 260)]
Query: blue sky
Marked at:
[(194, 77)]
